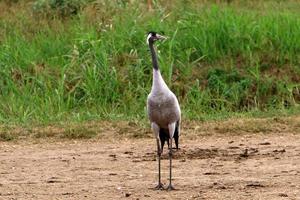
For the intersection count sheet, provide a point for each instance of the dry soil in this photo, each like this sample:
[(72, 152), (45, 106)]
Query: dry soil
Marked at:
[(260, 165)]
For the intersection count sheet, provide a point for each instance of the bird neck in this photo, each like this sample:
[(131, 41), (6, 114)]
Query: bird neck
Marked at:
[(158, 83), (153, 56)]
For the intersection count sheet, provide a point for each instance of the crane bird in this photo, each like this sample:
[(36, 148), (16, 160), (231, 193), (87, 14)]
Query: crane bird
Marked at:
[(163, 110)]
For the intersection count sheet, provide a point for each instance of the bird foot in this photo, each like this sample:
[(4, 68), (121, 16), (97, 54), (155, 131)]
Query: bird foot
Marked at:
[(171, 151), (170, 187), (160, 186), (159, 152)]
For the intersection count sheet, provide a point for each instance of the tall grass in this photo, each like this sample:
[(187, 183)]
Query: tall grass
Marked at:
[(220, 59)]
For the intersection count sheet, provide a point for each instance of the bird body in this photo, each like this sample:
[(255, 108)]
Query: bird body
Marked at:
[(163, 109)]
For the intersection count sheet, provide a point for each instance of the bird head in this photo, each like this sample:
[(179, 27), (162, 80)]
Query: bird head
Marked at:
[(153, 36)]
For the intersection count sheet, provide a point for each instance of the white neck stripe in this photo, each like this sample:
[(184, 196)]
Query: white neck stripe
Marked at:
[(148, 37)]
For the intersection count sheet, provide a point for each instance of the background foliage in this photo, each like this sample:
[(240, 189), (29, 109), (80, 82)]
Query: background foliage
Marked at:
[(78, 60)]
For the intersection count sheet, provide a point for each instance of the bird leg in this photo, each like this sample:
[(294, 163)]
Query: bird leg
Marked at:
[(160, 186), (170, 187)]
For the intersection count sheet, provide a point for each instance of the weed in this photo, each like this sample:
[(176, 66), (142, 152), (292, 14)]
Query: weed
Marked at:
[(78, 133), (6, 136)]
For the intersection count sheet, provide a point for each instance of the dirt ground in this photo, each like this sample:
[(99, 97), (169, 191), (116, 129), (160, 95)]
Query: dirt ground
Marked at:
[(260, 165)]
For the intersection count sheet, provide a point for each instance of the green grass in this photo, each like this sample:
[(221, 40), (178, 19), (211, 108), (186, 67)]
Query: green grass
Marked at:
[(221, 60)]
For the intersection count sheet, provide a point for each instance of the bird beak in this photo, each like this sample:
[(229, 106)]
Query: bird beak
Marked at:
[(161, 37)]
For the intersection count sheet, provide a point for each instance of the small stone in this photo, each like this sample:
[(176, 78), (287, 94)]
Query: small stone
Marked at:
[(265, 143), (244, 154), (282, 195), (127, 194), (222, 187), (128, 152), (255, 184), (279, 151)]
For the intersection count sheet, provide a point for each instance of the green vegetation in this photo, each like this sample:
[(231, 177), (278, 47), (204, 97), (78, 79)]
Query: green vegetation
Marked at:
[(66, 60)]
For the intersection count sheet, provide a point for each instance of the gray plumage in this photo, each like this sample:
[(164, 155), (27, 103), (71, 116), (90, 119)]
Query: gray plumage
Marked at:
[(163, 110)]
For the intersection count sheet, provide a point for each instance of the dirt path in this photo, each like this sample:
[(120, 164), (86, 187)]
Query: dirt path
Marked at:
[(208, 167)]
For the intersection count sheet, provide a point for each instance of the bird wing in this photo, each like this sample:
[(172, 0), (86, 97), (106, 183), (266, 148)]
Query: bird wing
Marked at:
[(163, 109)]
